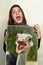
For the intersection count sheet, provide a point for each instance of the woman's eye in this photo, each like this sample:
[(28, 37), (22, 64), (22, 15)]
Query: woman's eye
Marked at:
[(19, 10), (13, 12)]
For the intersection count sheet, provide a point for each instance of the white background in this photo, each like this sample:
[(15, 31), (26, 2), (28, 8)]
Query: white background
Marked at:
[(33, 10)]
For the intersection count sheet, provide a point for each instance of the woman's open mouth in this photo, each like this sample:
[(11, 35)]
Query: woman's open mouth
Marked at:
[(18, 18), (21, 45)]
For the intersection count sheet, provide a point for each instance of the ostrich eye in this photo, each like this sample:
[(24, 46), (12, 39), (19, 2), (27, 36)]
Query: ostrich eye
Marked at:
[(29, 38), (16, 37)]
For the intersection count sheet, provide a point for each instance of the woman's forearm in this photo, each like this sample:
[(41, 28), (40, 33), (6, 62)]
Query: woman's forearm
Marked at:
[(39, 43)]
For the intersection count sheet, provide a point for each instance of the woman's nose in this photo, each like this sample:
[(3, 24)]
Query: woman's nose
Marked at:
[(17, 12)]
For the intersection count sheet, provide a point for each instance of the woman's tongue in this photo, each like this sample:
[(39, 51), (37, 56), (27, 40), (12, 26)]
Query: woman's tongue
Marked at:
[(18, 18)]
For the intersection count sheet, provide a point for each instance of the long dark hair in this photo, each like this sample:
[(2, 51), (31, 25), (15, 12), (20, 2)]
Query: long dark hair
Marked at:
[(11, 21)]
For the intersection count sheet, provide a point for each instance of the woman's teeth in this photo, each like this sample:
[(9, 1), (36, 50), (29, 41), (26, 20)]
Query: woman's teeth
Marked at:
[(18, 17)]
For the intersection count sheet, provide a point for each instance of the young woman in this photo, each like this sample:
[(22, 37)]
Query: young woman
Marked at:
[(17, 17)]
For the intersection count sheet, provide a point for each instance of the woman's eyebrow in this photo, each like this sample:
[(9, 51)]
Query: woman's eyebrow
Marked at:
[(13, 10)]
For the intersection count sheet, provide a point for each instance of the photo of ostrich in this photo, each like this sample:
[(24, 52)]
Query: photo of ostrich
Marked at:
[(22, 42)]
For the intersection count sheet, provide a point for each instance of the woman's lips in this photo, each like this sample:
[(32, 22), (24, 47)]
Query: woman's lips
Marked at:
[(21, 45), (18, 18)]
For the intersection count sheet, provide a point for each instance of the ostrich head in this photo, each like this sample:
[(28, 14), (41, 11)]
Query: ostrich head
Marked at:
[(23, 42)]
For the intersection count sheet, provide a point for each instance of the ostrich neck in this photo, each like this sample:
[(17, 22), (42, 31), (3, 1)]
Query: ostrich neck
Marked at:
[(21, 60)]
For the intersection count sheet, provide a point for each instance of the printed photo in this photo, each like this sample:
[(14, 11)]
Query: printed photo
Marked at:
[(22, 44)]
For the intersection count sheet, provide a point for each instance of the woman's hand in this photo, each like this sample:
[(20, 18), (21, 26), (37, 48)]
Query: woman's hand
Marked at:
[(37, 30)]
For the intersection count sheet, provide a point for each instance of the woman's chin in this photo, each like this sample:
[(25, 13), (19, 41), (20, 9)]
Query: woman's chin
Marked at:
[(18, 22)]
